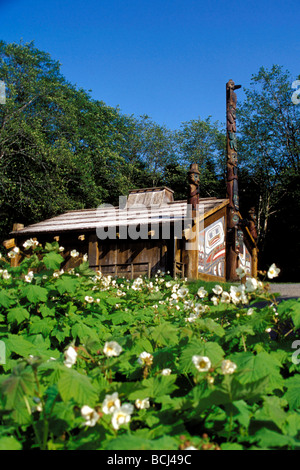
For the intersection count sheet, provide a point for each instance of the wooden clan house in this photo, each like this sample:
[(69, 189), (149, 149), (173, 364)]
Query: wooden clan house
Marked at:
[(149, 231)]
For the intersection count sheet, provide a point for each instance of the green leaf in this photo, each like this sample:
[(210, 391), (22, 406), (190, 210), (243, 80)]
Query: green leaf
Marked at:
[(154, 388), (238, 331), (271, 439), (164, 334), (20, 383), (291, 308), (83, 332), (272, 410), (231, 390), (24, 348), (35, 293), (292, 395), (295, 314), (211, 350), (5, 299), (73, 385), (10, 443), (211, 326), (47, 311), (52, 260), (231, 446), (252, 367), (17, 315), (67, 284), (133, 442), (44, 326)]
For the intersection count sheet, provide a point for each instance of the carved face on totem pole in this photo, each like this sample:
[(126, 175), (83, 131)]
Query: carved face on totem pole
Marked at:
[(194, 181), (252, 223), (232, 176)]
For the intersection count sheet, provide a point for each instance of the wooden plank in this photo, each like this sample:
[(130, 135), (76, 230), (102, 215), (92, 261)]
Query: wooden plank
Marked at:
[(209, 277), (90, 219), (93, 252), (8, 244)]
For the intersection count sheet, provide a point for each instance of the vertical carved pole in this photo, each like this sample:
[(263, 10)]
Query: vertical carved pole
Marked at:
[(192, 244), (252, 225), (233, 234)]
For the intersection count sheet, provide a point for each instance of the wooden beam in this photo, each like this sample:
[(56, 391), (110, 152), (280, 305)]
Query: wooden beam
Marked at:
[(17, 227), (93, 253), (254, 262), (8, 244)]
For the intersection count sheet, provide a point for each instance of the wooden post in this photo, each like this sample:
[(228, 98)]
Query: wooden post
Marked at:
[(14, 262), (192, 242), (93, 251), (233, 219), (254, 262)]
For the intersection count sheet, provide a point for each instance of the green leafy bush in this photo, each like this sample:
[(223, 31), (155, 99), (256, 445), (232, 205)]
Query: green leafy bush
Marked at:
[(95, 362)]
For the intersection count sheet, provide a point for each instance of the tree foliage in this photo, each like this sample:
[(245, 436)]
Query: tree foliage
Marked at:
[(269, 155), (62, 150)]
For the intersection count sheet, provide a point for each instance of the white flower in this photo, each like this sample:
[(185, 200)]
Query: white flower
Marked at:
[(182, 291), (237, 294), (202, 363), (29, 276), (201, 292), (61, 248), (70, 356), (199, 308), (85, 257), (74, 253), (13, 253), (240, 272), (193, 317), (90, 415), (122, 415), (228, 367), (225, 298), (89, 299), (251, 284), (210, 380), (145, 359), (273, 271), (217, 290), (250, 311), (215, 300), (5, 274), (166, 372), (111, 403), (142, 404), (29, 243), (112, 348)]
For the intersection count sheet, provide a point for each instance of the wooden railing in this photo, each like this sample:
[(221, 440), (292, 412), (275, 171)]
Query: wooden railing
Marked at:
[(178, 269), (115, 271)]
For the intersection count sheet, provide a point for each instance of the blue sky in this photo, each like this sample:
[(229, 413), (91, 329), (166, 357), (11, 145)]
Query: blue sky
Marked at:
[(169, 59)]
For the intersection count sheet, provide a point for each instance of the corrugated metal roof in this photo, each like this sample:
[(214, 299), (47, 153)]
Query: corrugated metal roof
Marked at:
[(91, 219)]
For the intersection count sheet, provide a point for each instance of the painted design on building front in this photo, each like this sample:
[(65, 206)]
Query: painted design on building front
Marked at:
[(245, 259), (212, 249)]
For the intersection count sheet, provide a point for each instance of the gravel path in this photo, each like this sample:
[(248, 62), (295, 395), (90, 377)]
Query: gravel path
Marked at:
[(286, 290)]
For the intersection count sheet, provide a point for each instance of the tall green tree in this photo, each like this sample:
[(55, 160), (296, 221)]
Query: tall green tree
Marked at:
[(269, 159), (59, 149), (203, 142)]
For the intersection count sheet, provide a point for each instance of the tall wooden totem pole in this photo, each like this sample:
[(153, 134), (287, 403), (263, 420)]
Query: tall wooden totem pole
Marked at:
[(234, 234), (192, 240)]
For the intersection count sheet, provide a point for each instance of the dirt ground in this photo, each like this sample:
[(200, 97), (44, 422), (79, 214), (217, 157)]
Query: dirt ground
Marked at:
[(286, 290)]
